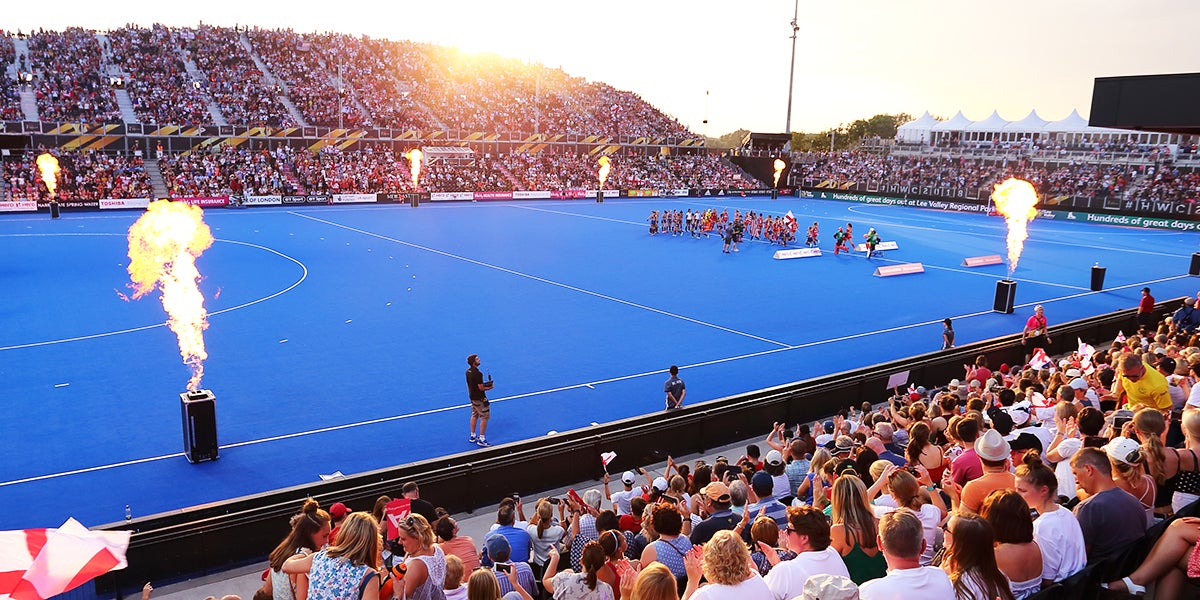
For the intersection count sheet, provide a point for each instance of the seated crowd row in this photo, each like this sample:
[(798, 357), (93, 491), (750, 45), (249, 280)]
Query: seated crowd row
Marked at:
[(1081, 179), (230, 170), (994, 486)]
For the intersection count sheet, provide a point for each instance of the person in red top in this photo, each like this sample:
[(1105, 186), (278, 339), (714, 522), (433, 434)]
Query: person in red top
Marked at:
[(1145, 311), (1035, 334)]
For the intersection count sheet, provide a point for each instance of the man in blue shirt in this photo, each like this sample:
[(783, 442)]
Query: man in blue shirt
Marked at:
[(675, 389), (763, 486)]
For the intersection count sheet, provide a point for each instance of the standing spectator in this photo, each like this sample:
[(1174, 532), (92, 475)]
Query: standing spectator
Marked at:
[(518, 538), (346, 567), (544, 535), (970, 560), (1035, 334), (808, 536), (419, 506), (1145, 310), (947, 334), (902, 539), (477, 389), (1104, 517), (310, 532), (675, 389), (425, 574)]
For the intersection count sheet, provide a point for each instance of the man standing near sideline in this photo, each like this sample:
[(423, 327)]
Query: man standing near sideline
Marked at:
[(1035, 336), (675, 389), (1145, 310), (477, 389)]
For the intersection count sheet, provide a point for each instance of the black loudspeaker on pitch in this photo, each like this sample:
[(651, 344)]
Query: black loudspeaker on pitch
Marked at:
[(1195, 268), (1006, 294), (199, 410)]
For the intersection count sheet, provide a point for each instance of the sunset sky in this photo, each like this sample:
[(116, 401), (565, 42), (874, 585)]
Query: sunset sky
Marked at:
[(854, 59)]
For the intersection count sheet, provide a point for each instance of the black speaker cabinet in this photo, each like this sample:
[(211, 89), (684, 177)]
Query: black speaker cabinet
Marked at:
[(199, 411), (1006, 294)]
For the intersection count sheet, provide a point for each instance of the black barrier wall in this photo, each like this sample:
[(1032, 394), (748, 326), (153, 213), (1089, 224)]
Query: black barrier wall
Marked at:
[(214, 537)]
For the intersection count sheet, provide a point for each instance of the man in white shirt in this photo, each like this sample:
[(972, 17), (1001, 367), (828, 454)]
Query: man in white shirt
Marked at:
[(902, 539), (807, 535), (620, 500)]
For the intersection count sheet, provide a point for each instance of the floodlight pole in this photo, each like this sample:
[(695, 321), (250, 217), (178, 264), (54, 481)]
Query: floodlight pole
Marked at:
[(792, 69)]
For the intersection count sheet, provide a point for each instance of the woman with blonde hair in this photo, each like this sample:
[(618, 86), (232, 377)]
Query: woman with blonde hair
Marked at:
[(813, 479), (347, 568), (1128, 472), (725, 563), (310, 532), (654, 582), (906, 489), (425, 562), (854, 533), (482, 585)]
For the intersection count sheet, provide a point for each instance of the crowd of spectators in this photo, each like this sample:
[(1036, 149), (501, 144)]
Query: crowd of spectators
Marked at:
[(313, 87), (996, 484), (10, 88), (227, 170), (333, 80), (70, 77), (234, 80), (333, 171), (82, 176), (158, 84), (378, 169), (1068, 178)]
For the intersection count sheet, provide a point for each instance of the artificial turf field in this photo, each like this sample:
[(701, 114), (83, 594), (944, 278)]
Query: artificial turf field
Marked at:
[(338, 335)]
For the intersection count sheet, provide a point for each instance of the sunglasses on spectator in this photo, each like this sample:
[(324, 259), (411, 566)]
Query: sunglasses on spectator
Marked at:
[(1137, 375)]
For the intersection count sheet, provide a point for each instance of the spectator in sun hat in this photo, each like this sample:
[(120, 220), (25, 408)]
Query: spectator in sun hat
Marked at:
[(994, 454), (843, 447), (1084, 395)]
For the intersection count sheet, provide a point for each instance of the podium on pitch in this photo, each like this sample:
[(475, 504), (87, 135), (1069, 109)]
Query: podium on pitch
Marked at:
[(796, 253), (900, 269)]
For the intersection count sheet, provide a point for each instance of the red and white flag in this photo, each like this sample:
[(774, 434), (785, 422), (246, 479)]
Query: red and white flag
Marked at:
[(1120, 336), (791, 221), (607, 457), (1040, 360), (1085, 349), (39, 563)]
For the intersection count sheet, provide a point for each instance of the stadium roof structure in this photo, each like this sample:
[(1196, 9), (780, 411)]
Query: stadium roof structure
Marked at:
[(1032, 123), (1072, 123), (995, 122), (958, 122), (917, 131)]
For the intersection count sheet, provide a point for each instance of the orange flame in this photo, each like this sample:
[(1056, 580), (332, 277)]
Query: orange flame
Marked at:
[(779, 167), (1016, 200), (48, 165), (414, 164), (605, 167), (163, 246)]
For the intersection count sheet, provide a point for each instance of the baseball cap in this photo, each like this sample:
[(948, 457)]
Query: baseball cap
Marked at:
[(921, 390), (660, 484), (761, 480), (828, 426), (338, 510), (496, 544), (774, 458), (628, 477), (1073, 373), (954, 383), (1079, 383), (717, 492), (1123, 450)]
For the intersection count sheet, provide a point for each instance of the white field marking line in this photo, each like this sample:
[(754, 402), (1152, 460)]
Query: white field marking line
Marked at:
[(589, 384), (1040, 241), (570, 214), (543, 280), (303, 276)]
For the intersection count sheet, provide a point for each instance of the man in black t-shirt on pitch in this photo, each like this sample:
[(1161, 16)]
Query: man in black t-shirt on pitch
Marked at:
[(477, 389)]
